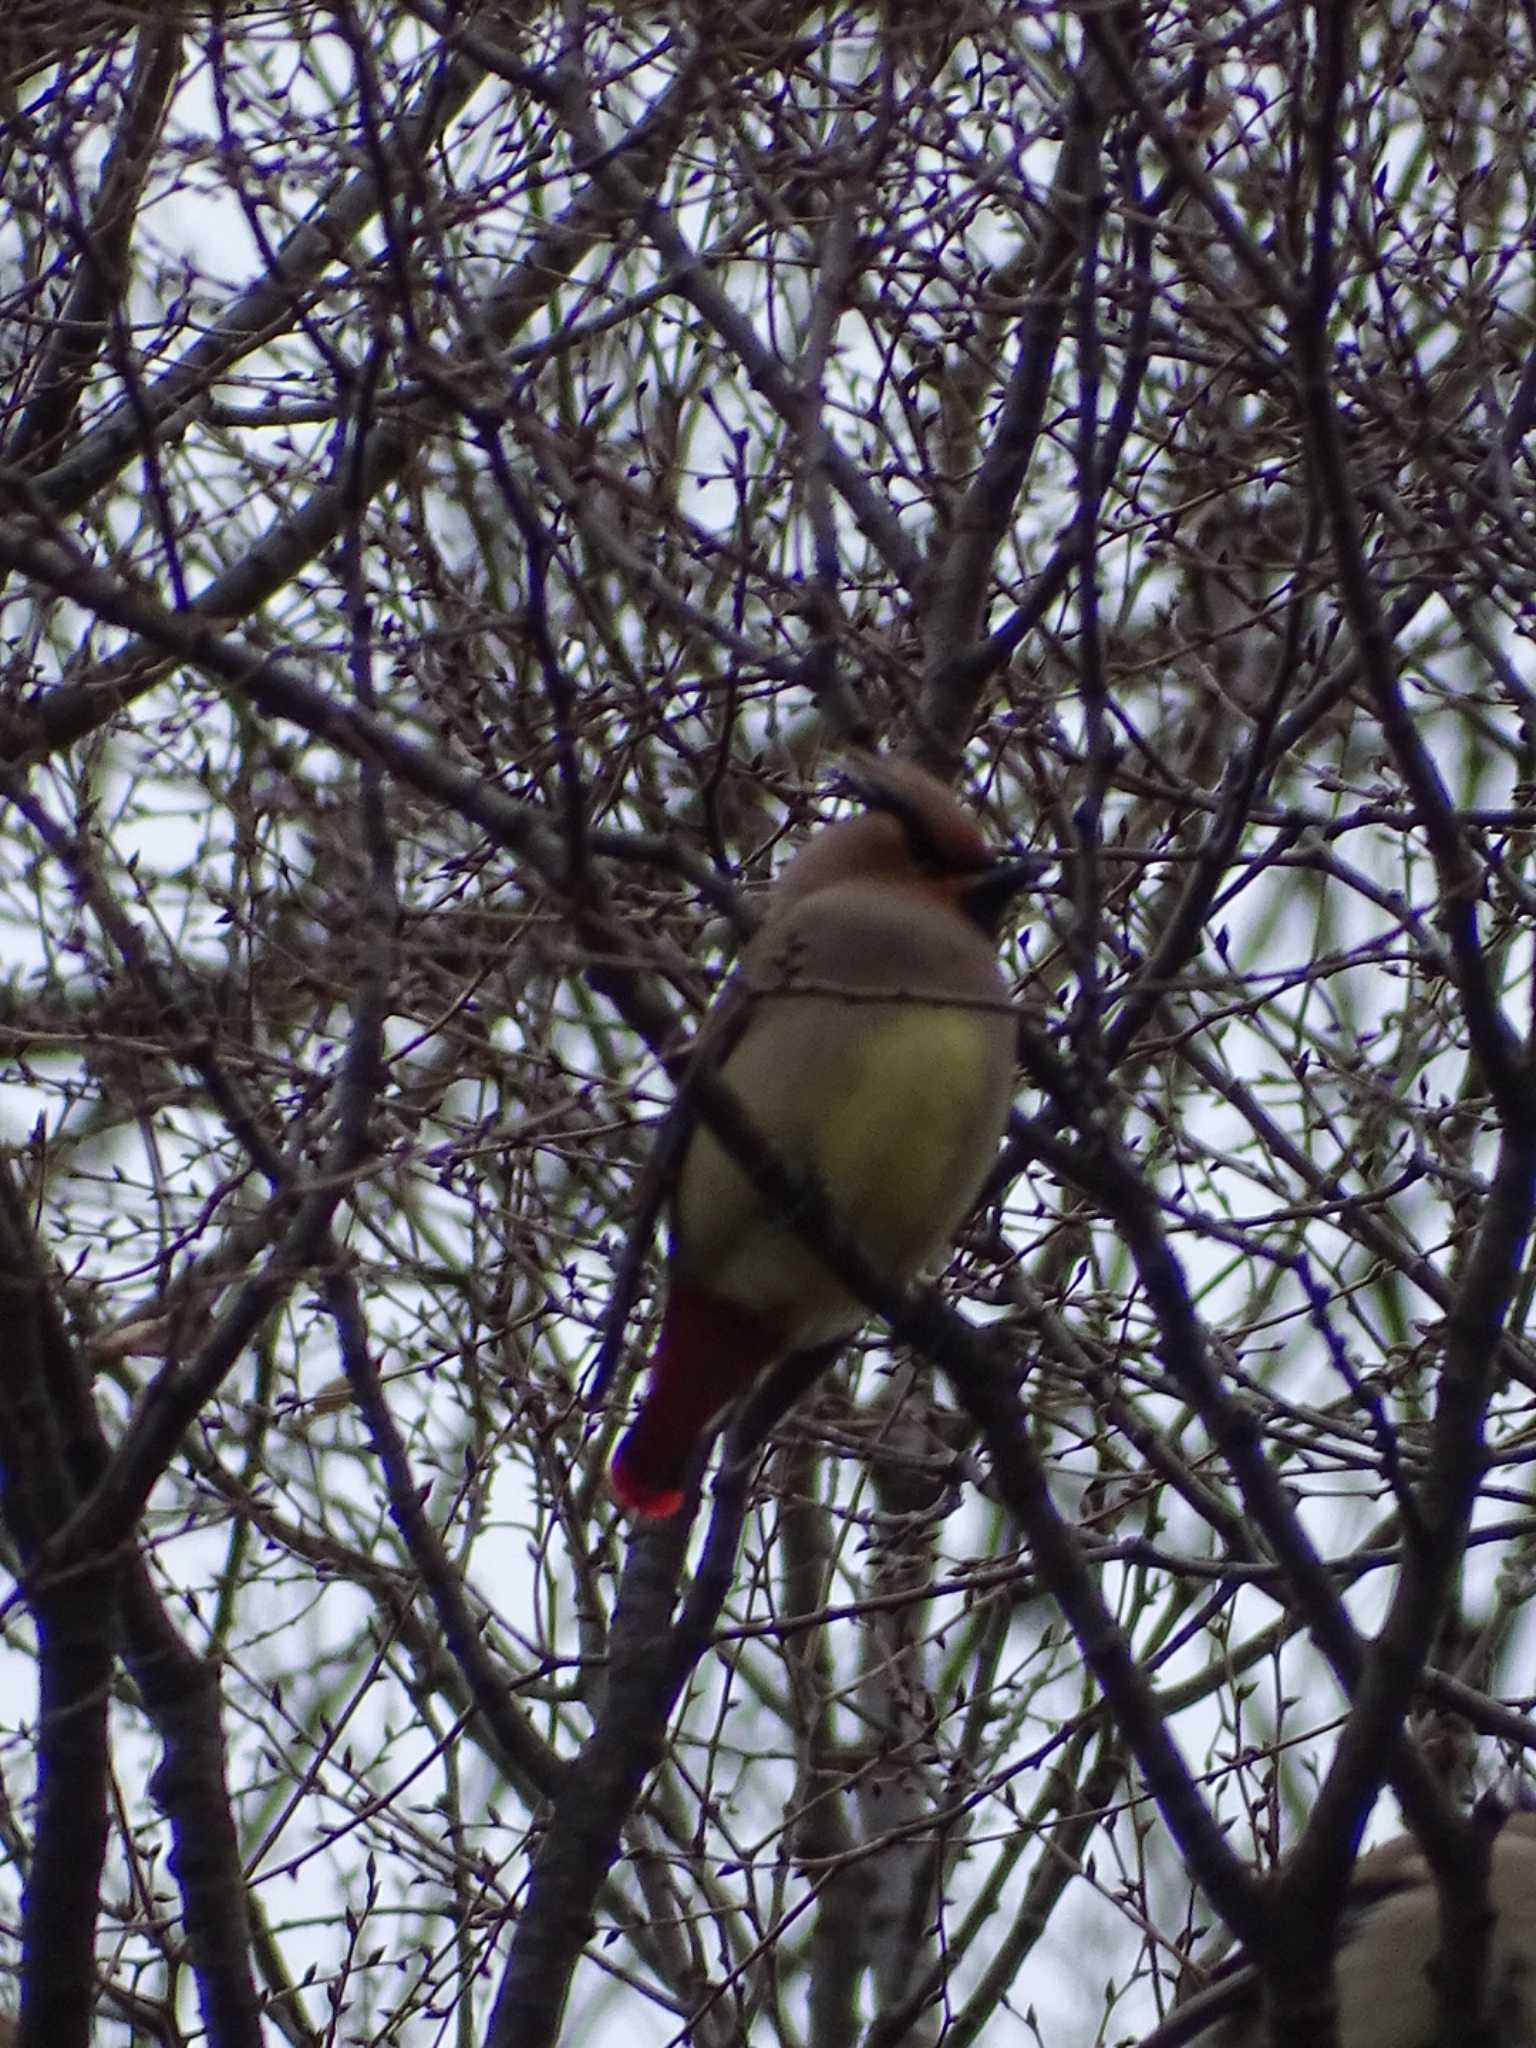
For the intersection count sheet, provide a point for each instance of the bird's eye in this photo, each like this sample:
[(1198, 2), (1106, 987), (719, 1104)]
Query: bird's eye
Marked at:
[(923, 849), (927, 855), (929, 852)]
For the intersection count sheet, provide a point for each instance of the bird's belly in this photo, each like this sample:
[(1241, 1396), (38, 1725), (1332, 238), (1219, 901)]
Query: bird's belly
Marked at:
[(898, 1156), (897, 1121)]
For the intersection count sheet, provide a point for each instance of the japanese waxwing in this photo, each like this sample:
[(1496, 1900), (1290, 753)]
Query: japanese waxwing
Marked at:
[(1389, 1938), (868, 1037)]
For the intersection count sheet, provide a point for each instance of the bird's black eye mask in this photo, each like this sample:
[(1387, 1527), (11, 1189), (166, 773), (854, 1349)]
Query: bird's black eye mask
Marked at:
[(995, 887), (998, 877), (928, 856)]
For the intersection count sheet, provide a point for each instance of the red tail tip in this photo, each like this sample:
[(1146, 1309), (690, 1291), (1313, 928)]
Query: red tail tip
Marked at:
[(640, 1495)]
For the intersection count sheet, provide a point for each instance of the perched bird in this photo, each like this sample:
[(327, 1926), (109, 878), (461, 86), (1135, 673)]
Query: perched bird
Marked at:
[(868, 1037), (1389, 1937)]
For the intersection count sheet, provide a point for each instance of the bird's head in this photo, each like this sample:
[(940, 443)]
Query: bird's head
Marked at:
[(914, 835)]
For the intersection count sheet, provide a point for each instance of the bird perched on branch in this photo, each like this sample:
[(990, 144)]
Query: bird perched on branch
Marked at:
[(869, 1041), (1389, 1940)]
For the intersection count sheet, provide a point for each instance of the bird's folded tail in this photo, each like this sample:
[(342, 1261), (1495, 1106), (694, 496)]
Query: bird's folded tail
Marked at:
[(708, 1352)]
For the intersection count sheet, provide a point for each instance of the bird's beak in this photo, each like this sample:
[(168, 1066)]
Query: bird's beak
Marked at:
[(988, 894)]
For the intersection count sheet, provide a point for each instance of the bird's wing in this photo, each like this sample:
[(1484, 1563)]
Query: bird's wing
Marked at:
[(711, 1043)]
